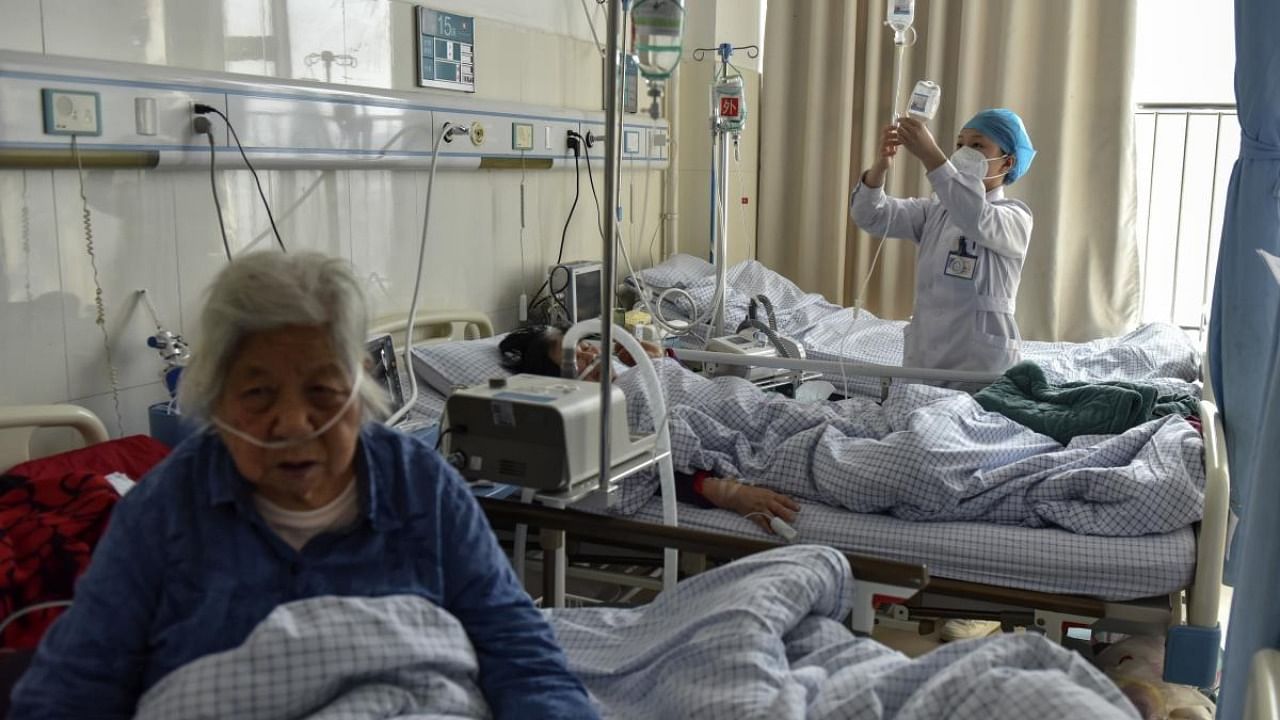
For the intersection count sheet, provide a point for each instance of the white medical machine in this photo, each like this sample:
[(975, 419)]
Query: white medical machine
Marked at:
[(755, 343), (758, 338), (575, 288), (539, 432)]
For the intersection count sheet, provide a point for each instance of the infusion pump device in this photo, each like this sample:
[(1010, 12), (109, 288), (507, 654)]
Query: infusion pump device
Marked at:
[(754, 343), (538, 432)]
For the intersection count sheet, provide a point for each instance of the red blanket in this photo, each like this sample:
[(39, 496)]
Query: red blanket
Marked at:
[(52, 513)]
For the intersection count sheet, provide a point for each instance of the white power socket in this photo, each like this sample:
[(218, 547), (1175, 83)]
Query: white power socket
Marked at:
[(72, 112)]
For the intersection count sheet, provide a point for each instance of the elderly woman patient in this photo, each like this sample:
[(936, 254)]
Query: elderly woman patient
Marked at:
[(292, 493)]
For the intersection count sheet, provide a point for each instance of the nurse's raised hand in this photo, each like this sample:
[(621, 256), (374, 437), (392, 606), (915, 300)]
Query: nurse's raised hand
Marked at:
[(916, 138), (889, 142)]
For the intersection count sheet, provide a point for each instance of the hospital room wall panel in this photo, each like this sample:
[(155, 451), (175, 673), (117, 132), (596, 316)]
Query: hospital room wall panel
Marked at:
[(33, 357), (123, 30), (311, 209), (198, 244), (21, 27), (370, 28), (695, 211), (385, 222), (133, 248), (134, 402)]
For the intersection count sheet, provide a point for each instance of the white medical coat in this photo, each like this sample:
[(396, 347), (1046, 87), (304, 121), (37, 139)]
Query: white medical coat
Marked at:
[(957, 323)]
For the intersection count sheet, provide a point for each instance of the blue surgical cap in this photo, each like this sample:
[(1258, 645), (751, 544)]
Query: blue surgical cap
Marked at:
[(1006, 129)]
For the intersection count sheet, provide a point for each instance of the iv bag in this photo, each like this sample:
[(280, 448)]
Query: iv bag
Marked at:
[(923, 104), (900, 14), (658, 27), (729, 105)]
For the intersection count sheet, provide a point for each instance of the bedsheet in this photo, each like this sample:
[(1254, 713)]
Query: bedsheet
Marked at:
[(925, 454), (759, 638), (1047, 560), (829, 332)]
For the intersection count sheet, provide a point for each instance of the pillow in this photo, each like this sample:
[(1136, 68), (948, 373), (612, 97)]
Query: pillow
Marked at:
[(447, 366), (677, 271)]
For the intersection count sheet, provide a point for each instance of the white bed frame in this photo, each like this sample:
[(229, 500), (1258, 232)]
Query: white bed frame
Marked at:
[(435, 327), (19, 423)]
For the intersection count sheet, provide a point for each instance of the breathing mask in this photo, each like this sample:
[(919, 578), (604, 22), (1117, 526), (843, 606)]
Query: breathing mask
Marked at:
[(281, 444)]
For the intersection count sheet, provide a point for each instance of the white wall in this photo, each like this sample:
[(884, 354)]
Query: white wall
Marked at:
[(157, 229)]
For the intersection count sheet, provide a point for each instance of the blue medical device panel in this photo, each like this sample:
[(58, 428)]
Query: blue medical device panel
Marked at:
[(447, 50)]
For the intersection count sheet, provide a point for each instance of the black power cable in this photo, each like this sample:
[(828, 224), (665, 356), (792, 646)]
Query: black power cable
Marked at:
[(217, 204), (202, 109), (576, 145)]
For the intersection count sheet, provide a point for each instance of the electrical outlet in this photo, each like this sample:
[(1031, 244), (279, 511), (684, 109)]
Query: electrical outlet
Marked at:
[(72, 112), (521, 136), (631, 142)]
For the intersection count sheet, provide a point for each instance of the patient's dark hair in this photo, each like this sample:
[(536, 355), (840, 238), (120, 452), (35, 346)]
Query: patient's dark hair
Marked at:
[(528, 350)]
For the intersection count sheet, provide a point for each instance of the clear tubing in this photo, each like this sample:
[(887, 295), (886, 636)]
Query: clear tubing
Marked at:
[(281, 444)]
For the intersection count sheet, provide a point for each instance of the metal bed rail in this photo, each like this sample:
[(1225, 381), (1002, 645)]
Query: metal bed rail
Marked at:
[(886, 373), (878, 581)]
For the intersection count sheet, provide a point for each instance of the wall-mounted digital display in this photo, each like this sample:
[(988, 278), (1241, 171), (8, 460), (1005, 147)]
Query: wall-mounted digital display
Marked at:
[(446, 50)]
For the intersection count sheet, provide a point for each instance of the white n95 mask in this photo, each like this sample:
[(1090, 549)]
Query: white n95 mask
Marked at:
[(973, 163)]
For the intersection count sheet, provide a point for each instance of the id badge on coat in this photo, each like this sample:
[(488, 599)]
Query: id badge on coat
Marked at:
[(960, 264)]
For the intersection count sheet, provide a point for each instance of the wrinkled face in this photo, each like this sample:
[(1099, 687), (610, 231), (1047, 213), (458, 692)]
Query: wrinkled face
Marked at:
[(284, 385), (971, 138)]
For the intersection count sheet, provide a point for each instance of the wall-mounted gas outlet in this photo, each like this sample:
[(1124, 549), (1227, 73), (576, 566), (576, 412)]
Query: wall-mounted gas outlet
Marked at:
[(72, 112), (521, 136)]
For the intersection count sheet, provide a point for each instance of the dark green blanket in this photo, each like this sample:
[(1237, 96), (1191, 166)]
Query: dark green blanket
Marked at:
[(1064, 411)]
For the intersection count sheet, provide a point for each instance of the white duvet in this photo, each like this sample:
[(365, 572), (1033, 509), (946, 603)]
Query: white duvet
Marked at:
[(759, 638)]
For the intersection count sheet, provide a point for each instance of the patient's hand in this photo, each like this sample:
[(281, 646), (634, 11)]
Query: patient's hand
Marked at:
[(743, 499), (653, 350)]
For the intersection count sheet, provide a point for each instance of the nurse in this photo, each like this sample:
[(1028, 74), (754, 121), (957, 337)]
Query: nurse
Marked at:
[(972, 239)]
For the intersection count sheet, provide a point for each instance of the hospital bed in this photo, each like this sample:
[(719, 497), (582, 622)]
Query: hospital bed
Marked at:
[(1152, 352), (1049, 578)]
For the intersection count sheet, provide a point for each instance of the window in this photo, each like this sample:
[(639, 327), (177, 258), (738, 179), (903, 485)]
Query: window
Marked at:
[(1187, 139)]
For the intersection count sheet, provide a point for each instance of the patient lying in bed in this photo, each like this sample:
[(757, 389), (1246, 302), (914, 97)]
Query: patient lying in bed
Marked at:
[(924, 454), (536, 350)]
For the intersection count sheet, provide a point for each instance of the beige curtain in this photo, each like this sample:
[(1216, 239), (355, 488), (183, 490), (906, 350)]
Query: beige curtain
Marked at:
[(1065, 67), (806, 138)]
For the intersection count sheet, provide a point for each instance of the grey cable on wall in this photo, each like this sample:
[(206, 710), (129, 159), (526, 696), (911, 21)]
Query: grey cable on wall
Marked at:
[(26, 238), (98, 303), (446, 134)]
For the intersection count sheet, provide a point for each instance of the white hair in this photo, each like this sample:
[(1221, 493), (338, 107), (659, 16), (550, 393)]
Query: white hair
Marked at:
[(267, 290)]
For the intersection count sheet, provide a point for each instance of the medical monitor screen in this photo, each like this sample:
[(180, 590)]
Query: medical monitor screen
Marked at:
[(586, 294), (384, 371)]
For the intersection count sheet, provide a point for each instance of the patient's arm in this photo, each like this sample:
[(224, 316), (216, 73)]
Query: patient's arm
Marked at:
[(706, 491)]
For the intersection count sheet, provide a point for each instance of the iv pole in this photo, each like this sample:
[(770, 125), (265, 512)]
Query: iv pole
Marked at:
[(612, 161), (722, 132)]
